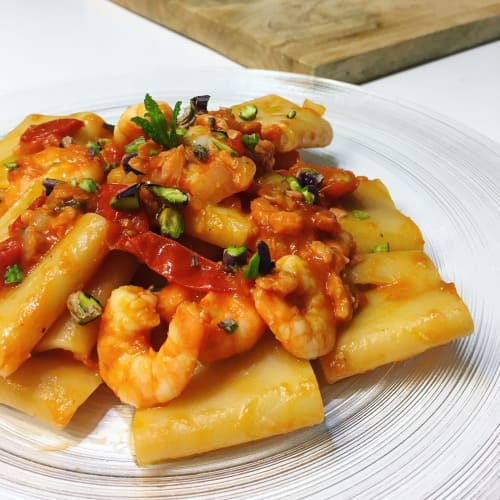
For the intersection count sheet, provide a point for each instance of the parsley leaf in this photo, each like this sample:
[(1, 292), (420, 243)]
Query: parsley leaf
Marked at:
[(157, 127)]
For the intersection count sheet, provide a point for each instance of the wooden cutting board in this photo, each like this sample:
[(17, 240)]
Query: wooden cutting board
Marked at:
[(349, 40)]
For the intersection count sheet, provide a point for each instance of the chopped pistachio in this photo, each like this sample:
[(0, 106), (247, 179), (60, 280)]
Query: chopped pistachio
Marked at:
[(171, 222), (229, 325), (383, 247), (83, 307), (360, 214), (88, 185), (13, 274), (224, 147), (133, 147), (248, 112), (10, 165)]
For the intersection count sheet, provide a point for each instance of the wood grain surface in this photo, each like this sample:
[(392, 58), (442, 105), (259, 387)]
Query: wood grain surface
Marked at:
[(349, 40)]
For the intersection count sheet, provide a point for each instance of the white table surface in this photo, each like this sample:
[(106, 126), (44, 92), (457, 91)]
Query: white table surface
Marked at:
[(54, 41)]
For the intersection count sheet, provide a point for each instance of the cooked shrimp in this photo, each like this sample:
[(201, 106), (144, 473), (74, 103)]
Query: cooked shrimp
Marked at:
[(126, 131), (233, 325), (270, 217), (170, 298), (65, 164), (295, 307), (220, 177), (128, 364), (341, 297), (208, 182), (331, 255)]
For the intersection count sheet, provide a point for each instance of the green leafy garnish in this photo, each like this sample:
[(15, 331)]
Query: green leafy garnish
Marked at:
[(13, 274), (291, 114), (157, 127)]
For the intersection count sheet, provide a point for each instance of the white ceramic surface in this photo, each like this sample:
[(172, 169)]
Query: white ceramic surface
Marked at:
[(425, 428)]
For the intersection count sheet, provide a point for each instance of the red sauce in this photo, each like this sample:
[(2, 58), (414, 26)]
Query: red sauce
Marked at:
[(37, 137)]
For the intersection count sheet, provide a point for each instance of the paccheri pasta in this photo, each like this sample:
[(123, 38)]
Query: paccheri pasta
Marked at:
[(198, 267)]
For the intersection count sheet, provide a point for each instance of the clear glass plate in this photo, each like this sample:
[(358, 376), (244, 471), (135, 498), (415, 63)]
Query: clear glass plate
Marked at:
[(425, 428)]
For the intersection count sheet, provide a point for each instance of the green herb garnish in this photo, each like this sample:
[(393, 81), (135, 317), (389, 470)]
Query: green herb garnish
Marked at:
[(157, 127), (291, 114)]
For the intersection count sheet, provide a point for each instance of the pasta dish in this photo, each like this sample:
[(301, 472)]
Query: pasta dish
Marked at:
[(194, 263)]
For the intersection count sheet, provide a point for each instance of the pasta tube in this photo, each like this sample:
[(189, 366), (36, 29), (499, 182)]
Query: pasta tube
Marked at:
[(93, 128), (383, 226), (50, 387), (373, 220), (20, 206), (218, 225), (30, 308), (297, 126), (262, 393), (409, 311), (116, 269)]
